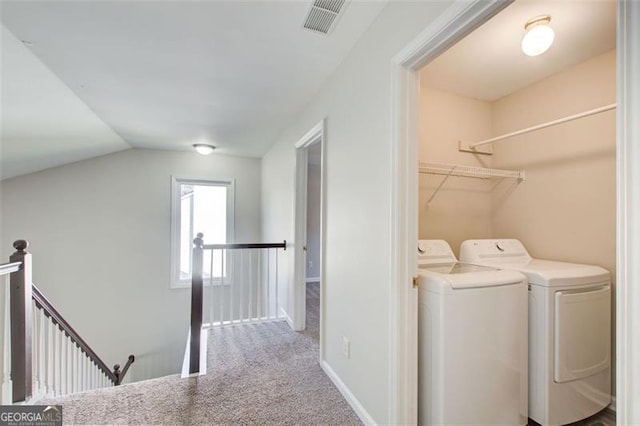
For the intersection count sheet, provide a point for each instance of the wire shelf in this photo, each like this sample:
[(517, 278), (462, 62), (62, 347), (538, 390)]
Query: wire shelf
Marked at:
[(469, 171), (448, 170)]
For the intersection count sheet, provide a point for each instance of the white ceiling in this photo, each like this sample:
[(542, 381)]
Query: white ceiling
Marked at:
[(40, 115), (167, 74), (488, 64)]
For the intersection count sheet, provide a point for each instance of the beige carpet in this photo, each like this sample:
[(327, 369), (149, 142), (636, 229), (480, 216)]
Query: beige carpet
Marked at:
[(257, 374)]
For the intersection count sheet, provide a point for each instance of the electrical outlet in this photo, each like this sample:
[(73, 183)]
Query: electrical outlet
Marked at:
[(346, 347)]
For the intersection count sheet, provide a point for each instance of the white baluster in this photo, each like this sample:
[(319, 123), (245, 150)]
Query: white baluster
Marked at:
[(76, 368), (221, 292), (81, 387), (268, 304), (83, 375), (240, 280), (96, 384), (277, 312), (7, 385), (51, 335), (87, 372), (258, 285), (34, 348), (250, 273), (69, 365), (42, 352), (92, 384), (211, 291), (64, 370), (59, 362)]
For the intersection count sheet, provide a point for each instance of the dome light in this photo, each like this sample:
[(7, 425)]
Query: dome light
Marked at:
[(539, 36), (204, 148)]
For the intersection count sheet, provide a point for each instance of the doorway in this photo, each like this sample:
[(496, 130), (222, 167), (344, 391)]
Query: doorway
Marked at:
[(459, 20), (308, 233)]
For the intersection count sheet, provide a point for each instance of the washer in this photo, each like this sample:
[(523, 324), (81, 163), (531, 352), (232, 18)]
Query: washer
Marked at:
[(569, 334), (472, 341)]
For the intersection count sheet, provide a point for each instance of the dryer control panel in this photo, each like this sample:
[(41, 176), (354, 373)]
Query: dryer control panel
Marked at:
[(474, 251)]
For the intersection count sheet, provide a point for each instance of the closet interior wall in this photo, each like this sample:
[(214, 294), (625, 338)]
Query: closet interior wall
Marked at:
[(566, 208), (462, 208)]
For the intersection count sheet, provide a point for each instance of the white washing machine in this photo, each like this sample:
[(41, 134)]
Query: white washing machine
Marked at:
[(472, 341), (569, 330)]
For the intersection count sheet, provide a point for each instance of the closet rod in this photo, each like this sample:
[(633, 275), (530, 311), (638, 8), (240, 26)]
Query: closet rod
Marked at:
[(544, 125)]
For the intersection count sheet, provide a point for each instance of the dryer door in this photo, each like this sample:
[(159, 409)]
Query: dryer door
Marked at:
[(582, 333)]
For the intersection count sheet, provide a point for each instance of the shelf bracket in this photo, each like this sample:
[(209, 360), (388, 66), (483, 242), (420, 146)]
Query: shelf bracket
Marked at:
[(441, 184), (465, 147)]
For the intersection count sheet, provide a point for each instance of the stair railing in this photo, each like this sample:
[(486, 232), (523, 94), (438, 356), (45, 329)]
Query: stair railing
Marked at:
[(242, 288), (43, 355)]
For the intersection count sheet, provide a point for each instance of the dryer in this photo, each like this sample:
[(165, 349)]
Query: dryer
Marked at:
[(472, 341), (569, 330)]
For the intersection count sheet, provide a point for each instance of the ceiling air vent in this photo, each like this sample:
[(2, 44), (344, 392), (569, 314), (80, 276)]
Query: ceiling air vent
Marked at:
[(322, 15)]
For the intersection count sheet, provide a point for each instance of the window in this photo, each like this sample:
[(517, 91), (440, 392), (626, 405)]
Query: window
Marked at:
[(200, 205)]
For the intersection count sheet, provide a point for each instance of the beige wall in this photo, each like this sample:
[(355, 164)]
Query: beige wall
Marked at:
[(566, 208), (462, 207)]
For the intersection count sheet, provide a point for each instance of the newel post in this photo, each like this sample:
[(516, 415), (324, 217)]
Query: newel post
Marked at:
[(196, 304), (21, 323)]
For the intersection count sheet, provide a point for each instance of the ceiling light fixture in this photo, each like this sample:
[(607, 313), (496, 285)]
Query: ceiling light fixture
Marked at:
[(203, 148), (539, 36)]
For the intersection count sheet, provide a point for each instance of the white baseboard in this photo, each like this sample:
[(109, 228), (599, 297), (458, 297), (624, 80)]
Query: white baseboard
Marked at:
[(365, 417), (313, 280), (7, 393), (287, 318)]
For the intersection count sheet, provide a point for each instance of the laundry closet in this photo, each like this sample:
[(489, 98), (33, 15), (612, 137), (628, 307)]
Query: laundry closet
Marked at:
[(552, 188)]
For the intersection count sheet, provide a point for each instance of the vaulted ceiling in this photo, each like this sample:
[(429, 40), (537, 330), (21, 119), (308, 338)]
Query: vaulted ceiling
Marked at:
[(83, 78)]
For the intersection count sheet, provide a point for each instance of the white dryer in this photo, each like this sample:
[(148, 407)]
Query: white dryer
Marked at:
[(472, 341), (569, 330)]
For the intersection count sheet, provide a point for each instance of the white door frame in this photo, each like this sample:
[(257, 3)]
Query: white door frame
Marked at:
[(313, 136), (458, 21), (628, 215)]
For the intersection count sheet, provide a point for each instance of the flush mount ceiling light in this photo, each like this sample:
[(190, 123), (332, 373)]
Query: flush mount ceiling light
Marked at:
[(203, 148), (539, 36)]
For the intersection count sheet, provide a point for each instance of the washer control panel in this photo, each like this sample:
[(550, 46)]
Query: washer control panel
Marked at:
[(434, 251)]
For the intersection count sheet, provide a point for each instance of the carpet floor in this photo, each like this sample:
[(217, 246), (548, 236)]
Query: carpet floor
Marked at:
[(256, 375)]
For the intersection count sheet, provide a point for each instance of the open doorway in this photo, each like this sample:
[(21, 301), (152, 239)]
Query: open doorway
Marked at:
[(312, 253), (308, 267), (514, 146), (435, 40)]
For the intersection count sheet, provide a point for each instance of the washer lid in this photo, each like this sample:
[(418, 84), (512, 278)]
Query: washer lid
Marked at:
[(453, 276), (549, 273)]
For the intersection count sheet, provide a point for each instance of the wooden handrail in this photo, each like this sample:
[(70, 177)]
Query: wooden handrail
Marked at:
[(282, 245), (43, 303), (120, 374)]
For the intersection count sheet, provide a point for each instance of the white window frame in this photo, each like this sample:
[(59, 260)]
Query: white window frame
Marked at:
[(176, 181)]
